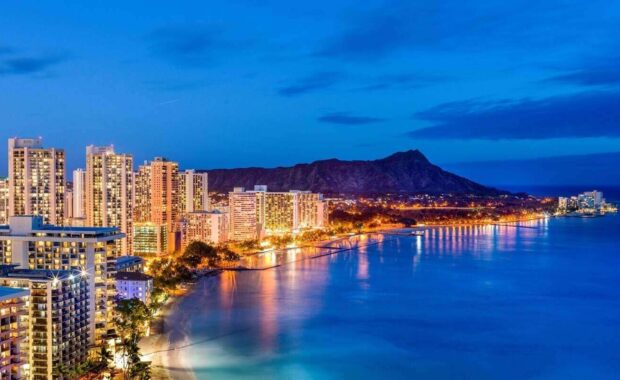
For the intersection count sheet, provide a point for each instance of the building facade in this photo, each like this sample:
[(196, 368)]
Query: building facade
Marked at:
[(207, 226), (130, 264), (79, 194), (157, 196), (36, 180), (150, 239), (14, 333), (275, 213), (243, 215), (134, 285), (30, 244), (193, 191), (57, 318), (4, 200), (109, 192)]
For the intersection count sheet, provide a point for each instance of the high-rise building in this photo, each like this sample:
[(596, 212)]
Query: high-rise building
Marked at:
[(274, 213), (14, 333), (206, 226), (30, 244), (311, 210), (79, 194), (109, 191), (36, 180), (4, 200), (193, 191), (157, 197), (68, 203), (57, 318), (243, 216), (280, 214)]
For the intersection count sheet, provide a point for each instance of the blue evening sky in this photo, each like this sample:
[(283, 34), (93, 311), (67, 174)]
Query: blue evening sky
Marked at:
[(266, 83)]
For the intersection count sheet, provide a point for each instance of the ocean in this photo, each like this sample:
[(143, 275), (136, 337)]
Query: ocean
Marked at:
[(540, 300)]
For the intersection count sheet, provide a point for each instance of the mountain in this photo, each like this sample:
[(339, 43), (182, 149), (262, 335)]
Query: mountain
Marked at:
[(407, 172)]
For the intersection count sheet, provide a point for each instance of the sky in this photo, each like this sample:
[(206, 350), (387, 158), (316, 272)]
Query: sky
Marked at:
[(272, 83)]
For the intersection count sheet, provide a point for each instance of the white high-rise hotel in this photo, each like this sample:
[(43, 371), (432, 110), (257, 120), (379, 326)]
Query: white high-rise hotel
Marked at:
[(36, 180)]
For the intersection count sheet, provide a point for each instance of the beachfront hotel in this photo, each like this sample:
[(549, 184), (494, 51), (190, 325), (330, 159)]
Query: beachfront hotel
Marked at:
[(206, 226), (28, 243), (36, 180), (258, 213), (56, 320), (14, 333), (157, 197), (243, 207), (109, 191)]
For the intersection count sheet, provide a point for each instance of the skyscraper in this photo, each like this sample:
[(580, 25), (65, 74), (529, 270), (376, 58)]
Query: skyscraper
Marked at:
[(109, 191), (193, 191), (36, 180), (243, 215), (157, 198), (79, 194)]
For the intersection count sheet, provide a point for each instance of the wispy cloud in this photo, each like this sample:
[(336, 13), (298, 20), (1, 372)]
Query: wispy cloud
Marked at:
[(590, 114), (24, 65), (602, 70), (399, 25), (192, 47), (344, 118), (401, 81), (314, 82)]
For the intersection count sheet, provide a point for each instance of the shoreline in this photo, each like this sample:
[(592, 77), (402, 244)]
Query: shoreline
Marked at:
[(164, 347)]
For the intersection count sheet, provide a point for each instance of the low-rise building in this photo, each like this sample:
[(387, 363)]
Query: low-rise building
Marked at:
[(130, 264), (134, 285)]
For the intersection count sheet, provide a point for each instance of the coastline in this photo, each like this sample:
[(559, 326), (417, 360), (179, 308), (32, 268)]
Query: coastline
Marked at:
[(164, 347)]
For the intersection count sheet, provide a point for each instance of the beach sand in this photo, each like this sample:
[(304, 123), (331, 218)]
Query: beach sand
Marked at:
[(164, 348)]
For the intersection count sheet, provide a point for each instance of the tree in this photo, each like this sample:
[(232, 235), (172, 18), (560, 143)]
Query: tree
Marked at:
[(131, 319), (196, 252)]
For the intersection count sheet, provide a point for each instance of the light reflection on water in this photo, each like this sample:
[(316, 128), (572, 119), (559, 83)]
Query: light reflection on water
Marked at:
[(480, 302)]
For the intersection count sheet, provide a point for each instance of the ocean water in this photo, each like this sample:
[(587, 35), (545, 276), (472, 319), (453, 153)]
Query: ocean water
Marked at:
[(536, 301)]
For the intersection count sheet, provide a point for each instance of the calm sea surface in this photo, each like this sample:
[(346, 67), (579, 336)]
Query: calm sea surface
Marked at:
[(539, 301)]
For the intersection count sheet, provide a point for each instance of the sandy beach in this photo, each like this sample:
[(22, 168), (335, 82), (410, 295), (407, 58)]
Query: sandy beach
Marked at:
[(165, 345)]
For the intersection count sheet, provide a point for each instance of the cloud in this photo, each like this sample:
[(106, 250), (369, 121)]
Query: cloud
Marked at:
[(343, 118), (401, 81), (315, 82), (189, 47), (400, 25), (589, 114), (22, 65), (602, 71)]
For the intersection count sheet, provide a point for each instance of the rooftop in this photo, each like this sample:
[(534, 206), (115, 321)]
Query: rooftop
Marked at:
[(132, 276), (11, 271), (8, 293)]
